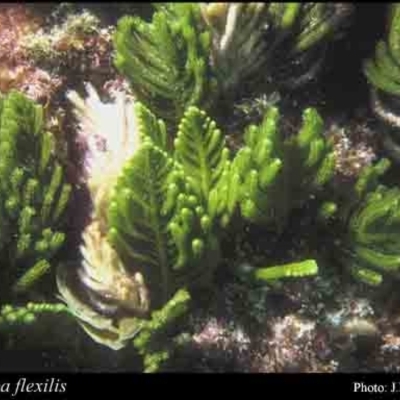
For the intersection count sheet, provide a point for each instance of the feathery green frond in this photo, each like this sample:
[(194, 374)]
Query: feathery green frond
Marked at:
[(369, 218), (150, 127), (149, 341), (33, 194), (383, 74), (168, 207), (276, 175), (373, 235), (160, 225), (383, 70), (259, 47), (320, 21), (196, 54), (200, 149), (139, 228), (166, 60)]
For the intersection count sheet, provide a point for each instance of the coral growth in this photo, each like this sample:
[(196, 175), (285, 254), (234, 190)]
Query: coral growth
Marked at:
[(16, 23), (79, 44), (17, 71), (354, 148), (291, 347)]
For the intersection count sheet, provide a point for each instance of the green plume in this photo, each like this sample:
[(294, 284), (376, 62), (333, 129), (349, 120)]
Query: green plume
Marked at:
[(373, 234), (201, 150), (160, 225), (276, 175), (166, 60), (193, 54), (383, 71), (149, 342), (383, 74), (262, 47), (368, 217), (33, 195), (169, 204)]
